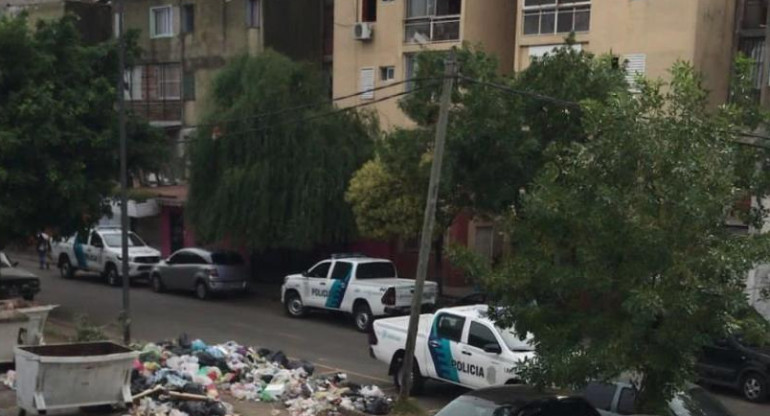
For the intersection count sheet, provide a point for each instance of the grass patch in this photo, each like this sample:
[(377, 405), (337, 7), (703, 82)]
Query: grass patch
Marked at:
[(408, 407)]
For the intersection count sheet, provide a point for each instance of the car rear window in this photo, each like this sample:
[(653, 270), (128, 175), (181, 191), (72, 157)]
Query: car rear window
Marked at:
[(226, 258), (375, 270)]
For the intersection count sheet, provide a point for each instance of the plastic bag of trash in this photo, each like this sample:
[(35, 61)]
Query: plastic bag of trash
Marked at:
[(377, 406)]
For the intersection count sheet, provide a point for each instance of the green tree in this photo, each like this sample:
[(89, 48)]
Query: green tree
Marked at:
[(495, 139), (622, 258), (270, 167)]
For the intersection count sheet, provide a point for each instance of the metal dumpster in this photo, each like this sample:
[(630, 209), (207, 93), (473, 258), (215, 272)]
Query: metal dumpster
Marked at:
[(38, 315), (12, 329), (69, 376)]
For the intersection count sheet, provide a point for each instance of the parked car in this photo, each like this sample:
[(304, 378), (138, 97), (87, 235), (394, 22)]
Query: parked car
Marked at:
[(734, 364), (100, 250), (201, 271), (458, 345), (15, 281), (614, 399), (362, 286), (517, 400)]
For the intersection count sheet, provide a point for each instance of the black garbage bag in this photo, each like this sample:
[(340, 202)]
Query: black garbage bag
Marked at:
[(267, 378), (194, 388), (264, 352), (377, 406), (184, 341), (209, 408), (278, 357), (304, 364)]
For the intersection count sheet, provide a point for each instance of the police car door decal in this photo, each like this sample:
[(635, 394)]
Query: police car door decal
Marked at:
[(337, 292), (80, 254), (441, 353)]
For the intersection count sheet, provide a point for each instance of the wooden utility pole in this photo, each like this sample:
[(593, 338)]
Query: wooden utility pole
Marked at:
[(125, 315), (765, 78), (450, 72)]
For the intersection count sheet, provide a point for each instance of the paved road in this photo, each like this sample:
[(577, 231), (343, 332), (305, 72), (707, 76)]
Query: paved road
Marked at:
[(256, 320)]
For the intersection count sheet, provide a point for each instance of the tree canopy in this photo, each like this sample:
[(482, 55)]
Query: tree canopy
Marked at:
[(271, 165), (58, 147), (622, 258)]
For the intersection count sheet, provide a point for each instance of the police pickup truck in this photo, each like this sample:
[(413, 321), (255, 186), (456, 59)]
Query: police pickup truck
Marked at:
[(100, 251), (458, 345), (352, 283)]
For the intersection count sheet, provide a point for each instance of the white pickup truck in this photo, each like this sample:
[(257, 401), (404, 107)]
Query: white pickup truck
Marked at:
[(362, 286), (100, 251), (458, 345)]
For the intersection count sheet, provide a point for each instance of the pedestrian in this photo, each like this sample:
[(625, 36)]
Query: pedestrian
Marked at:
[(43, 247)]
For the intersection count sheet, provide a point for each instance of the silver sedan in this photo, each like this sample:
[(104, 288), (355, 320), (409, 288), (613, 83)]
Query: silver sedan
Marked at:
[(202, 271)]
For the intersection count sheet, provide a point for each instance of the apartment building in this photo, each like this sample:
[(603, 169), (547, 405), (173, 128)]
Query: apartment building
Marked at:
[(649, 35), (751, 34), (375, 42), (92, 16)]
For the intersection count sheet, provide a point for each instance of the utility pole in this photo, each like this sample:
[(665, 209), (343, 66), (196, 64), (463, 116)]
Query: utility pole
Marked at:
[(126, 312), (765, 78), (450, 72)]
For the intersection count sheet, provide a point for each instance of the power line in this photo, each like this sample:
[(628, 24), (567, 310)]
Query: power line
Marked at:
[(311, 105), (528, 94), (322, 115)]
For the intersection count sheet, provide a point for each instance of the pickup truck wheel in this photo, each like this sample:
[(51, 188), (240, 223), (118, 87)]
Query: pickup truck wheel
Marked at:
[(294, 306), (201, 291), (362, 316), (754, 387), (418, 382), (112, 275), (65, 268)]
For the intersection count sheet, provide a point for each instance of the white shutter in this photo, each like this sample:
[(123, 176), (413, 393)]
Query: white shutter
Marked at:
[(636, 64), (366, 83), (137, 80), (540, 51)]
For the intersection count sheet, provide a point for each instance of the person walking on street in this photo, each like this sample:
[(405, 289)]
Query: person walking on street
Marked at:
[(43, 247)]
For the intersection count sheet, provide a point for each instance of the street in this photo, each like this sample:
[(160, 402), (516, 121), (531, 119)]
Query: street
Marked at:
[(257, 319)]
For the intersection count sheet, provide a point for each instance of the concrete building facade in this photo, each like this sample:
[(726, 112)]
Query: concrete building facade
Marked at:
[(648, 35), (92, 17), (375, 42)]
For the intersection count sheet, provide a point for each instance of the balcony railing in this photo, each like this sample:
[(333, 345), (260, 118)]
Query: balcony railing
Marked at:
[(432, 29)]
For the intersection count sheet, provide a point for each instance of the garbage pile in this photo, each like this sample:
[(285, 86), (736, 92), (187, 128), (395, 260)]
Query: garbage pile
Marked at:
[(189, 377)]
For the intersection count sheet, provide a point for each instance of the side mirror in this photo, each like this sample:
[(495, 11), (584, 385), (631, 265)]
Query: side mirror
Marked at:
[(492, 349)]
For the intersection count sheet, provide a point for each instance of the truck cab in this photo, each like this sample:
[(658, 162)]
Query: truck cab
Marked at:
[(362, 286), (100, 250), (458, 345)]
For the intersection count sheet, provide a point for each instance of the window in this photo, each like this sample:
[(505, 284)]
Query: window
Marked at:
[(432, 21), (547, 17), (341, 270), (188, 18), (387, 73), (626, 401), (188, 89), (484, 241), (96, 240), (480, 336), (252, 13), (195, 259), (366, 83), (635, 65), (320, 271), (375, 270), (410, 70), (161, 21), (134, 79), (450, 327), (368, 10), (169, 81), (116, 240), (600, 395)]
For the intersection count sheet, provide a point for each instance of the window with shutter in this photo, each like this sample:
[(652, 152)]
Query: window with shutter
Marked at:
[(134, 83), (161, 21), (636, 64), (367, 83)]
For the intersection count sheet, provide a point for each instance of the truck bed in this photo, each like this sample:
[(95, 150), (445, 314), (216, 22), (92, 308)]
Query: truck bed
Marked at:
[(401, 324)]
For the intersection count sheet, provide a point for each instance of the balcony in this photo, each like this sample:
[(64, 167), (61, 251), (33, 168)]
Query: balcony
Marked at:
[(430, 21), (432, 29)]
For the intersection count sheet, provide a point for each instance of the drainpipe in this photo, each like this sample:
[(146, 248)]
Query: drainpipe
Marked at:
[(765, 93)]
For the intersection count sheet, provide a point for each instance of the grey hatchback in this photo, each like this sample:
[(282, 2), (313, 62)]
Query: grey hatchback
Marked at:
[(202, 271)]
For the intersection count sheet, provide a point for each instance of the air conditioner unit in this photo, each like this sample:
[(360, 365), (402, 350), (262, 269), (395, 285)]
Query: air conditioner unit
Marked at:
[(363, 30)]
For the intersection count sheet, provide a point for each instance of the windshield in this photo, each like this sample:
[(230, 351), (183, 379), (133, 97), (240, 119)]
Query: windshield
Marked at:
[(697, 402), (4, 261), (513, 342), (227, 258), (375, 270), (113, 240), (469, 406)]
